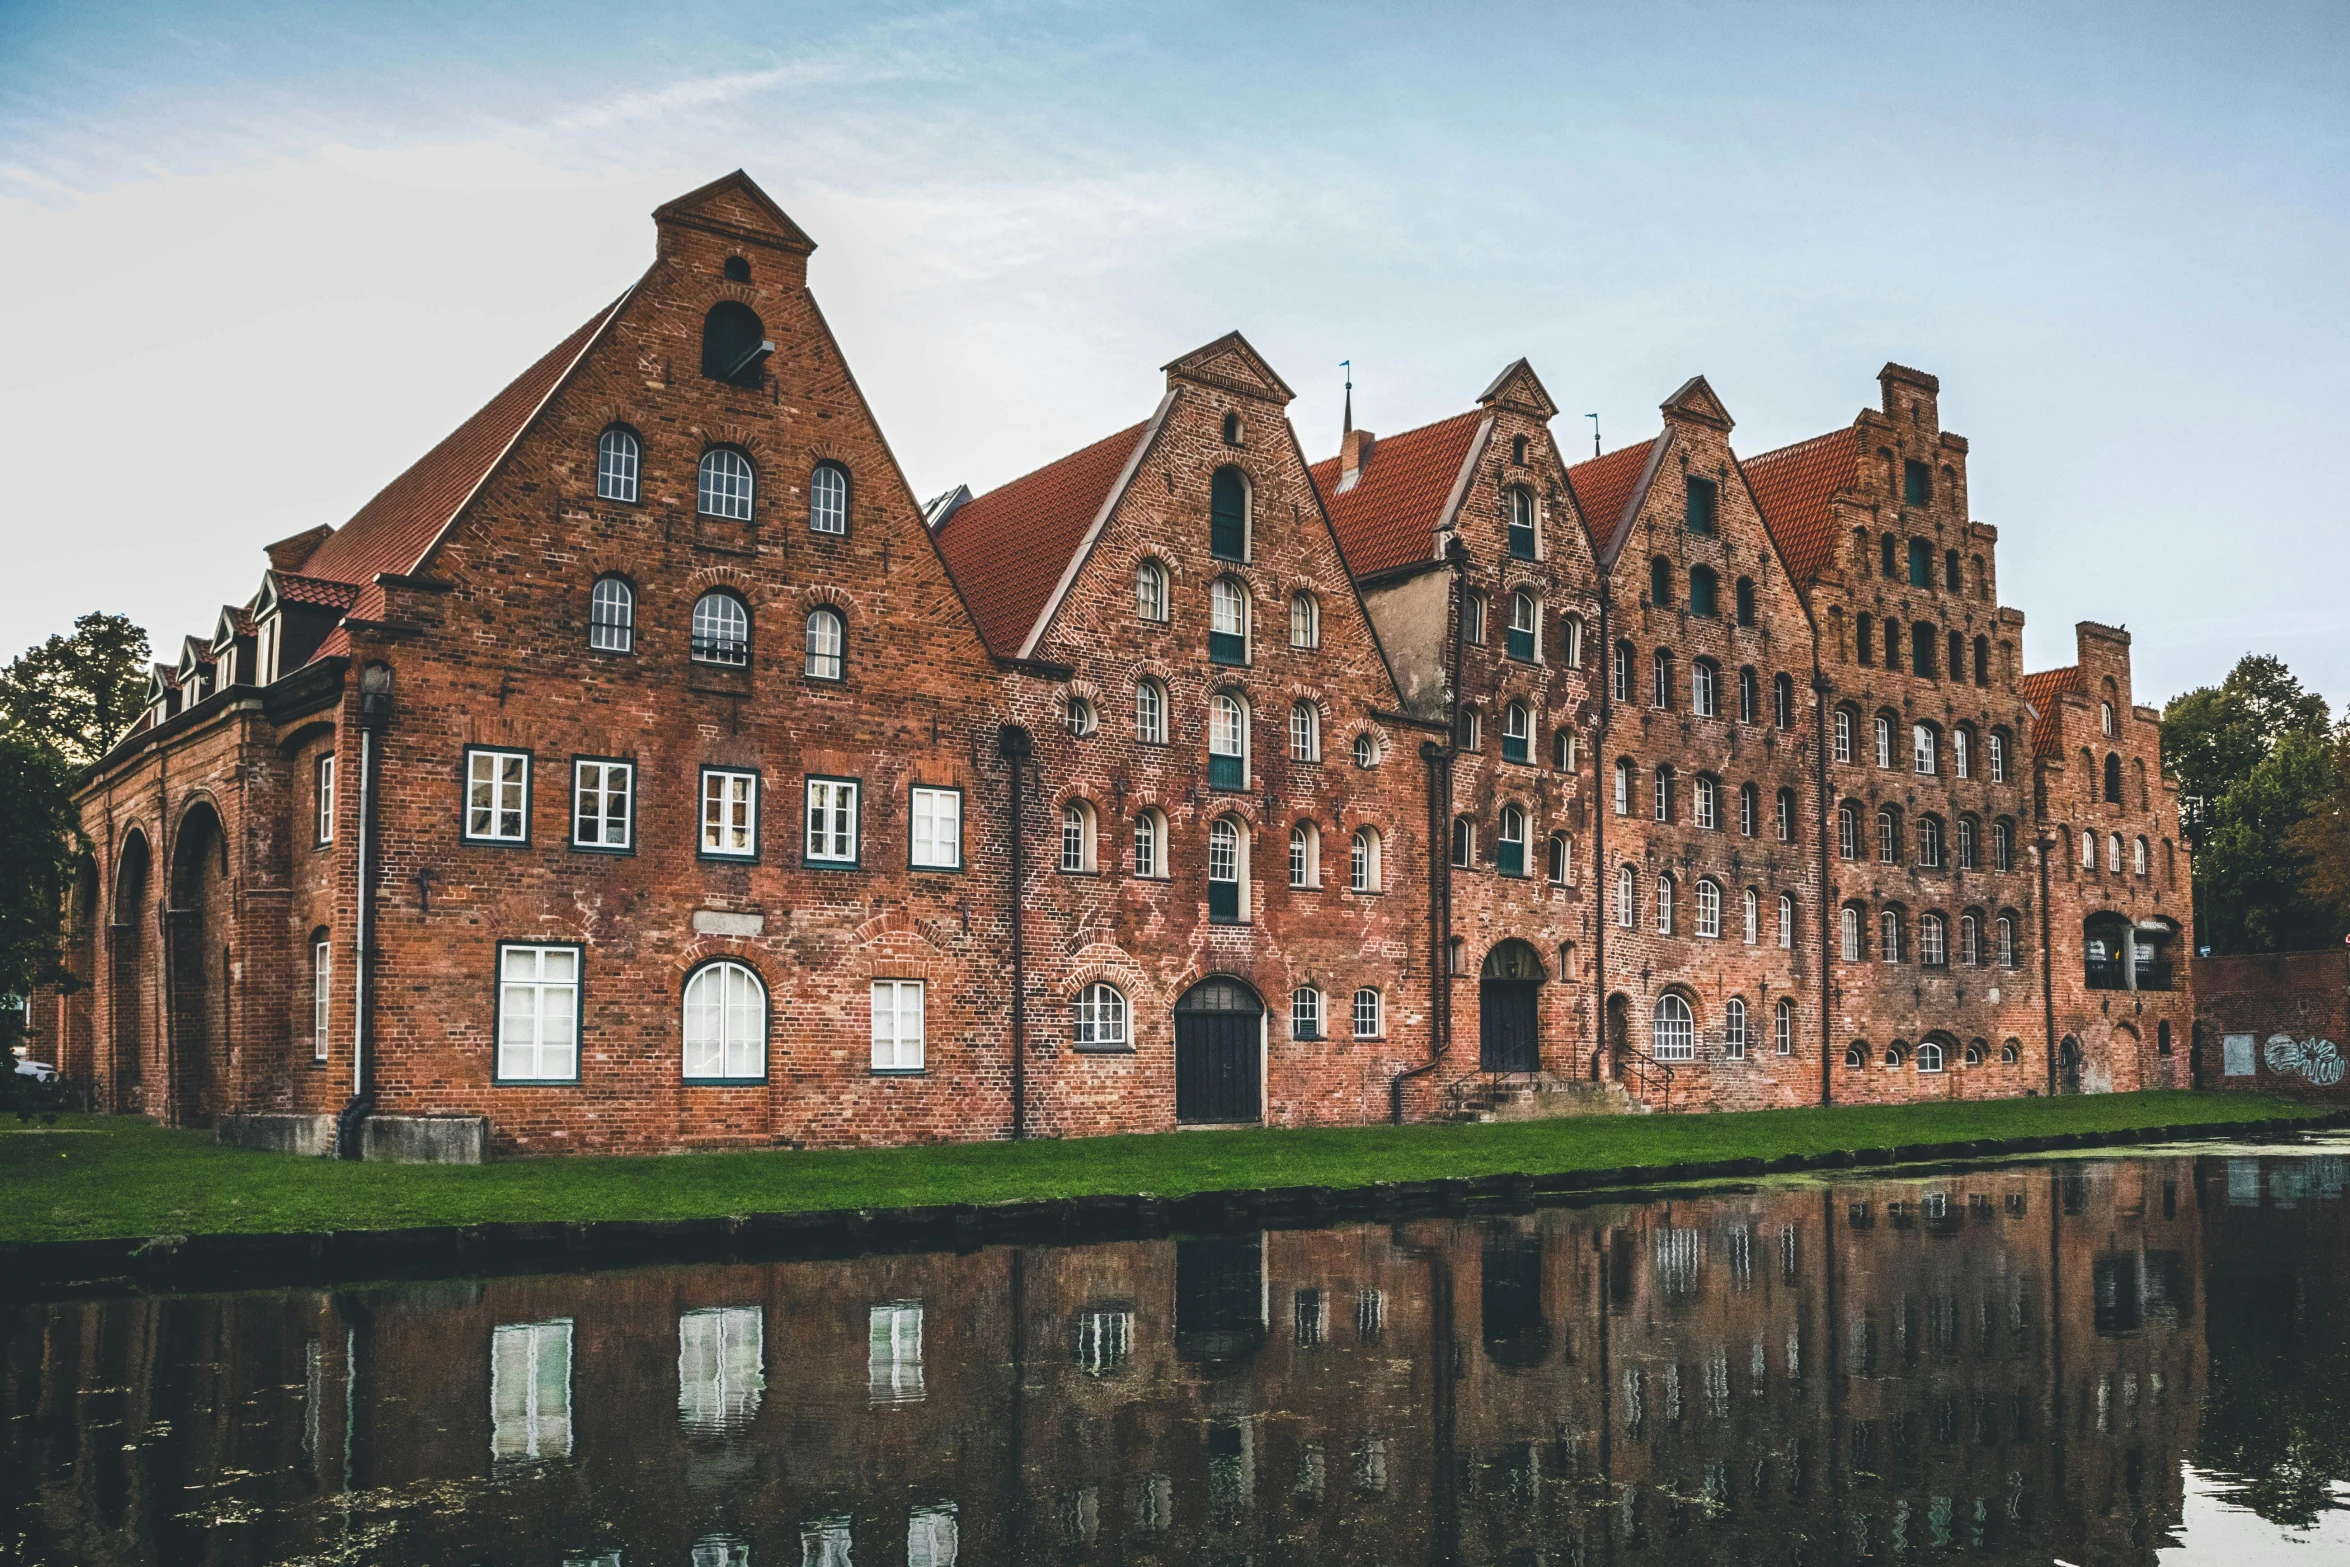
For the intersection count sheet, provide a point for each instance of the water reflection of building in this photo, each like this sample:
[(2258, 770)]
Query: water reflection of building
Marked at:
[(2006, 1361)]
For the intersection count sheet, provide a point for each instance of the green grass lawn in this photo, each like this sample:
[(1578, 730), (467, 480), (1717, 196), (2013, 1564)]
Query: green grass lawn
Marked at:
[(100, 1176)]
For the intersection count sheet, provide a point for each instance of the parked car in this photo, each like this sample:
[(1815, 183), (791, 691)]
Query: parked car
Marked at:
[(38, 1071)]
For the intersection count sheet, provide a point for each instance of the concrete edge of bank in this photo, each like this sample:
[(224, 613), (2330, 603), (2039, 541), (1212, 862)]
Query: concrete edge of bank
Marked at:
[(124, 1264)]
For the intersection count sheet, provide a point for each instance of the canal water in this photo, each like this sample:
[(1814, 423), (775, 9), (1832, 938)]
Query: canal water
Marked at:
[(2107, 1360)]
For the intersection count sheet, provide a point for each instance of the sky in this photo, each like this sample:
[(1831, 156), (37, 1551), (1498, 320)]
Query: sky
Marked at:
[(256, 258)]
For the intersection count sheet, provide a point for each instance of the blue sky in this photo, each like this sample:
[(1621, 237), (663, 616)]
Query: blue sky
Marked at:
[(255, 258)]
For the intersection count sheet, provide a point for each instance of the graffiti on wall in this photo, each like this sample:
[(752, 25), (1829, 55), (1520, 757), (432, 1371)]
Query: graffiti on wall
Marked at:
[(2318, 1060)]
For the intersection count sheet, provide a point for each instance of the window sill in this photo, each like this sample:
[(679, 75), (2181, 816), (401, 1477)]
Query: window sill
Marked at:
[(599, 848), (937, 870), (724, 1082), (807, 864), (1101, 1050), (900, 1071), (493, 843)]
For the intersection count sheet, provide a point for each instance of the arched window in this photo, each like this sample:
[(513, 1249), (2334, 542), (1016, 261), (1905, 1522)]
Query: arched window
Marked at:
[(1150, 844), (1962, 751), (1856, 1054), (2113, 852), (2088, 850), (1525, 627), (1704, 592), (1734, 1028), (1566, 751), (828, 499), (618, 457), (1848, 831), (1305, 1013), (1518, 450), (1974, 1053), (1750, 906), (1232, 429), (1749, 808), (1844, 721), (1849, 934), (1624, 786), (1522, 533), (2105, 717), (1746, 601), (1705, 795), (1620, 676), (1562, 859), (1150, 712), (1363, 868), (1305, 620), (1227, 742), (1864, 648), (2003, 845), (1664, 905), (1571, 641), (1660, 583), (2005, 932), (1970, 941), (1227, 871), (1227, 621), (1995, 753), (1101, 1018), (2113, 778), (1933, 944), (1966, 843), (721, 630), (725, 1024), (1517, 733), (1786, 920), (1627, 896), (1892, 644), (1982, 661), (725, 485), (612, 616), (1370, 1016), (1077, 837), (1786, 816), (1896, 1056), (1464, 842), (2139, 857), (1888, 835), (1749, 695), (1884, 741), (1366, 752), (1664, 794), (1305, 855), (1783, 701), (1305, 732), (827, 656), (1922, 655), (734, 344), (1783, 1028), (1675, 1032), (1929, 1057), (1150, 591), (2011, 1053), (1930, 842), (1705, 681), (1709, 908), (1473, 618), (1468, 730), (1925, 750), (1511, 845), (1228, 514), (1661, 678), (1080, 716), (1889, 936)]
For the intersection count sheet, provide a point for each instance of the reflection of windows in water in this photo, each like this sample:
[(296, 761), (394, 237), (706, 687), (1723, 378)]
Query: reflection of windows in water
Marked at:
[(1081, 1520), (1717, 1483), (313, 1397), (530, 1392), (1371, 1467), (1787, 1252), (1104, 1338), (600, 1559), (824, 1542), (1942, 1322), (1520, 1474), (1717, 1384), (1635, 1401), (1370, 1315), (1935, 1205), (1946, 1420), (1514, 1329), (1758, 1365), (721, 1550), (1219, 1299), (1311, 1476), (1741, 1238), (1673, 1392), (1938, 1522), (894, 1355), (1312, 1316), (1794, 1354), (933, 1539), (1154, 1503), (1231, 1477), (720, 1368), (1678, 1253), (1862, 1356)]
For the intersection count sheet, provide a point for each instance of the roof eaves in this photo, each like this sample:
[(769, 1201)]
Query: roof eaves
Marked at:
[(1447, 518)]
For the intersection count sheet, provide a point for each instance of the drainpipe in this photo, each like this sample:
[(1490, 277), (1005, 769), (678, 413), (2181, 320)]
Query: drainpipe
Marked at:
[(2047, 970), (1015, 745), (1603, 803), (375, 716), (1439, 763), (1819, 745)]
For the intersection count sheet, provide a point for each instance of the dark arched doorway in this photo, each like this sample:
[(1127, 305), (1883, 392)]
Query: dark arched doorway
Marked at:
[(1219, 1041), (197, 921), (1608, 1060), (1509, 1010), (128, 990), (2068, 1066)]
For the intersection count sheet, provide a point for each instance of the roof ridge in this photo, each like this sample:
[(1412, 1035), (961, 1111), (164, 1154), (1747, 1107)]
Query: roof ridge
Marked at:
[(1777, 452)]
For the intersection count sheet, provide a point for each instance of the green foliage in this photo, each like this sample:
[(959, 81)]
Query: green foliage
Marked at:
[(77, 694), (37, 844)]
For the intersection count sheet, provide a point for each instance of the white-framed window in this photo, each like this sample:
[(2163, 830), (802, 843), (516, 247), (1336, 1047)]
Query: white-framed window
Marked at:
[(1566, 751), (1627, 894), (1077, 712), (612, 616), (1150, 712), (1101, 1018), (618, 458), (1363, 868), (1370, 1017), (602, 796), (1571, 641), (1970, 940), (1227, 879), (1704, 689), (721, 1369), (1751, 906), (1525, 627), (1966, 843), (1707, 798), (721, 631), (1933, 942), (1077, 837), (2088, 850), (724, 485), (1997, 751), (1962, 752), (1664, 905), (1786, 920), (1228, 738), (832, 821), (1929, 1057), (725, 1024), (1510, 842), (322, 975), (1924, 750), (1889, 942), (1624, 787), (1228, 615), (1305, 855), (1464, 841), (2138, 857), (828, 642), (1150, 591), (1749, 802), (1469, 730), (1305, 1013), (828, 499), (1562, 859), (1674, 1033), (323, 775), (1734, 1028), (2105, 717), (1517, 733), (538, 1014), (730, 814), (1783, 1027), (897, 1025), (1150, 844), (2006, 942), (1843, 735), (497, 796), (2113, 852), (1305, 732), (1305, 620), (1473, 618), (938, 829), (1709, 907), (893, 1361), (1884, 741), (1848, 934), (530, 1392)]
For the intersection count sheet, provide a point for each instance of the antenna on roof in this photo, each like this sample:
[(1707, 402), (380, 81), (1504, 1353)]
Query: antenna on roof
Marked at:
[(1594, 418), (1348, 429)]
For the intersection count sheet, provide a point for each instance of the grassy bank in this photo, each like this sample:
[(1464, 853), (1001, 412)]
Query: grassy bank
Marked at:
[(98, 1176)]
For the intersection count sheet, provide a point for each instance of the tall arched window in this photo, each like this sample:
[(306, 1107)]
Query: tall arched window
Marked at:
[(1464, 841), (1305, 620), (1970, 940), (1227, 854), (1363, 867), (1660, 583), (1995, 754), (618, 457), (2113, 778), (1705, 681), (612, 616), (1661, 678), (1517, 733), (1962, 751), (1889, 936), (1566, 751), (1473, 619), (1783, 1027), (2113, 852), (1705, 796), (1966, 844), (1227, 742), (1150, 591), (2003, 845), (1888, 836), (2006, 941), (1562, 859), (1982, 661), (721, 630), (1750, 910), (1749, 808), (1511, 858), (1933, 950), (1664, 794), (1844, 717), (1709, 908), (1884, 741), (1620, 674), (1227, 621), (1675, 1031), (1786, 816), (1522, 539), (1749, 695), (724, 487), (725, 1024), (1525, 627), (1150, 712), (1783, 701), (1078, 834), (828, 639), (1746, 601), (1571, 641), (2138, 857), (1305, 732), (1786, 920), (1624, 786), (1150, 844), (828, 499), (1848, 831), (1925, 750), (1627, 896), (1930, 842), (1228, 514), (1848, 932), (1305, 855), (1734, 1028), (1664, 905)]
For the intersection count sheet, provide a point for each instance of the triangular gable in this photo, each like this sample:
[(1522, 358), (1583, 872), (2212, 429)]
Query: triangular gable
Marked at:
[(233, 623), (1609, 491), (1696, 400), (1231, 363), (733, 205), (195, 653), (1519, 387)]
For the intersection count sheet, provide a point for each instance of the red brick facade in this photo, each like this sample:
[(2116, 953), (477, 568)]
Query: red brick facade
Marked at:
[(688, 750)]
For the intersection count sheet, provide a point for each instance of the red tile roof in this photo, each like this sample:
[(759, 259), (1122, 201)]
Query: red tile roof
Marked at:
[(1793, 486), (1388, 518), (2041, 690), (393, 531), (321, 592), (1008, 548), (1603, 487)]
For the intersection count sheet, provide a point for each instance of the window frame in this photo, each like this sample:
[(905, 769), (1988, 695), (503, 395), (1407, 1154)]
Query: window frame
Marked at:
[(322, 991), (808, 655), (1305, 722), (499, 1077), (580, 762), (627, 647), (1678, 1049), (1234, 652), (1366, 853), (1156, 732), (766, 1026), (1378, 1010), (702, 489), (1080, 815), (940, 791), (1154, 821), (1307, 636), (1080, 1023), (1300, 1006), (921, 1064), (322, 799), (694, 653), (465, 797), (856, 788), (636, 465), (1154, 572), (758, 805), (840, 471)]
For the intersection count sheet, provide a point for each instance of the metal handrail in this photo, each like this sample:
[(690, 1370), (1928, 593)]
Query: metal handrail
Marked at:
[(1647, 1067)]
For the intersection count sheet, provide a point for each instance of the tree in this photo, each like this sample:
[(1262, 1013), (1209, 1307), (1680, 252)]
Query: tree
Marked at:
[(77, 694), (2214, 736), (2322, 838), (37, 846)]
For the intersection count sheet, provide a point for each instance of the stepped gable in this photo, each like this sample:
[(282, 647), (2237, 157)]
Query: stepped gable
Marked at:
[(1608, 490), (2043, 690), (1009, 548), (1795, 486), (1388, 517)]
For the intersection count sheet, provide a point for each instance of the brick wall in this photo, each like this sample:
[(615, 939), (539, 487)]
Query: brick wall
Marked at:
[(2289, 1013)]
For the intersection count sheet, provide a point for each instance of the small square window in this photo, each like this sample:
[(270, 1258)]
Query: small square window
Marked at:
[(937, 829), (497, 796), (602, 804), (730, 815), (832, 822)]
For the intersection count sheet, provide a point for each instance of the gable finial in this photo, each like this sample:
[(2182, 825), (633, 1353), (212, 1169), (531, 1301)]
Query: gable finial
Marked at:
[(1348, 428), (1594, 418)]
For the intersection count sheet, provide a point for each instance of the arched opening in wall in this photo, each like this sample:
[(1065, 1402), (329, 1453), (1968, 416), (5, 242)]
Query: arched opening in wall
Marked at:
[(1219, 1034), (130, 987), (1509, 1009), (1516, 1330), (1220, 1300), (197, 919), (1608, 1061), (2068, 1066)]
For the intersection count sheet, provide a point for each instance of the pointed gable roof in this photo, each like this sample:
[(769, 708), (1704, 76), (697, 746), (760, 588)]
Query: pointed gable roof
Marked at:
[(1231, 363), (1795, 486), (1696, 400), (1610, 489), (1389, 517), (1010, 548), (2042, 690), (1519, 387), (733, 205)]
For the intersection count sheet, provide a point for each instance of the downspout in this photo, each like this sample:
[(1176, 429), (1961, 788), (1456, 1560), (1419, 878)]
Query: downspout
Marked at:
[(2047, 970), (1603, 804), (1438, 759), (1015, 745), (1819, 745), (375, 716)]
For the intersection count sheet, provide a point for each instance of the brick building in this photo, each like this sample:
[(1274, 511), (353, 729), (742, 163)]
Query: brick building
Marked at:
[(684, 782)]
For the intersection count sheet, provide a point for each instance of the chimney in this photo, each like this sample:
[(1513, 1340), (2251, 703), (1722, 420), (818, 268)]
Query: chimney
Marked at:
[(1354, 454)]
